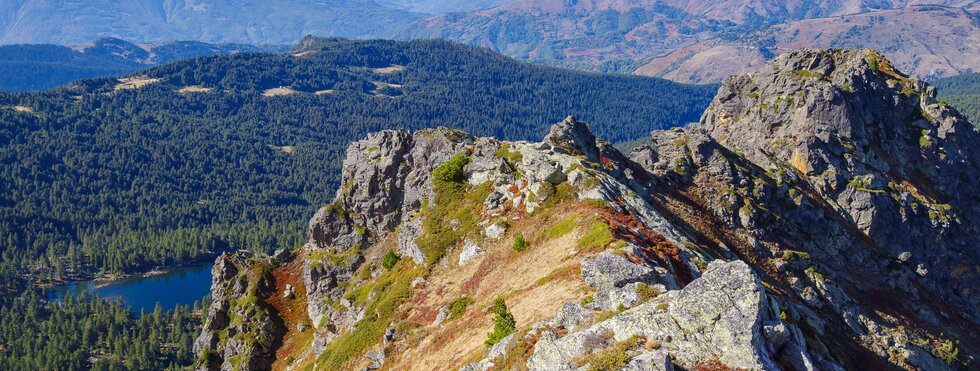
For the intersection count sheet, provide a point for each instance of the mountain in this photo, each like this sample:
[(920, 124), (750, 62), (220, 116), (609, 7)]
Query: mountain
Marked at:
[(962, 92), (181, 161), (41, 66), (65, 22), (917, 39), (441, 6), (704, 42), (820, 216)]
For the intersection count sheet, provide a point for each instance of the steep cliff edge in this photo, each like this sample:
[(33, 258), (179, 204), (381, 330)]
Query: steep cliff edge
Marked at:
[(822, 215)]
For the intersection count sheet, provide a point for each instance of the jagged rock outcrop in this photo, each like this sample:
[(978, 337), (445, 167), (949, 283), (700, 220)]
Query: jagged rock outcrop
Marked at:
[(820, 217), (240, 331), (385, 181), (848, 181)]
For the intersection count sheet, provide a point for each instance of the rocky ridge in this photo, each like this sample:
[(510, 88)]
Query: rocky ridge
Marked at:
[(819, 217)]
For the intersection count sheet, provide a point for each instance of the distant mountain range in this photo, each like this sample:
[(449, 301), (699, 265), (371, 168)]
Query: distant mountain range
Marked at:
[(65, 22), (706, 41), (43, 66), (691, 41)]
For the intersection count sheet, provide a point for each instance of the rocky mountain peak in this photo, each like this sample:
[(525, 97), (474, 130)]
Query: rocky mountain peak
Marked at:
[(801, 225), (872, 142)]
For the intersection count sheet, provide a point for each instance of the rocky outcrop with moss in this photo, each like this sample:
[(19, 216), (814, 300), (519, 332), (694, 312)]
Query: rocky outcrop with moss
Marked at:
[(241, 332), (819, 217)]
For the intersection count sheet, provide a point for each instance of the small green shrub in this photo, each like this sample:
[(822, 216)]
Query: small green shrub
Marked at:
[(806, 73), (520, 244), (503, 325), (924, 141), (336, 208), (512, 157), (793, 254), (873, 62), (458, 307), (646, 292), (390, 259), (451, 171), (946, 351)]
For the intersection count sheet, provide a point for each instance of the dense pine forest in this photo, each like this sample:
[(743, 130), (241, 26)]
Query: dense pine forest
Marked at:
[(962, 92), (181, 161), (82, 333)]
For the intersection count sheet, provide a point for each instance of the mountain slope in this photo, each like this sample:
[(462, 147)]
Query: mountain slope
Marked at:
[(251, 22), (820, 216), (917, 39), (698, 41), (38, 67), (183, 160)]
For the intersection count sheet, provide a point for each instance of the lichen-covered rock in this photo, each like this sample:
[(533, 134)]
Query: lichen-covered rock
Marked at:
[(470, 251), (650, 361), (718, 316), (615, 279)]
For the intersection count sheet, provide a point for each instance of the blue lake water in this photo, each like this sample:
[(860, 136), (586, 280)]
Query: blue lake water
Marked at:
[(179, 286)]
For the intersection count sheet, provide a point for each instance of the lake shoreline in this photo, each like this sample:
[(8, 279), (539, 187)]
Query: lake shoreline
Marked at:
[(170, 287), (106, 279)]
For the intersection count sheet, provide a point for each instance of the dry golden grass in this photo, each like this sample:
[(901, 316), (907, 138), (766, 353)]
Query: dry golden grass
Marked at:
[(534, 283), (324, 92), (304, 54), (135, 82), (388, 70), (194, 89), (280, 91), (287, 149)]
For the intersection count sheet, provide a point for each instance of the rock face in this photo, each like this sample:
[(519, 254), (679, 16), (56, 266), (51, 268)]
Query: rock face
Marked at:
[(240, 332), (820, 217)]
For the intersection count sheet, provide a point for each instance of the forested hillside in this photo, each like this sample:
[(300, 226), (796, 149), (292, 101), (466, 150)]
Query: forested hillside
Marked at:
[(238, 151), (82, 333), (962, 92)]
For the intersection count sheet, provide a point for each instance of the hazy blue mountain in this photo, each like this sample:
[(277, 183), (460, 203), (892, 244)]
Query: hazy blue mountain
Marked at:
[(41, 66), (67, 22)]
